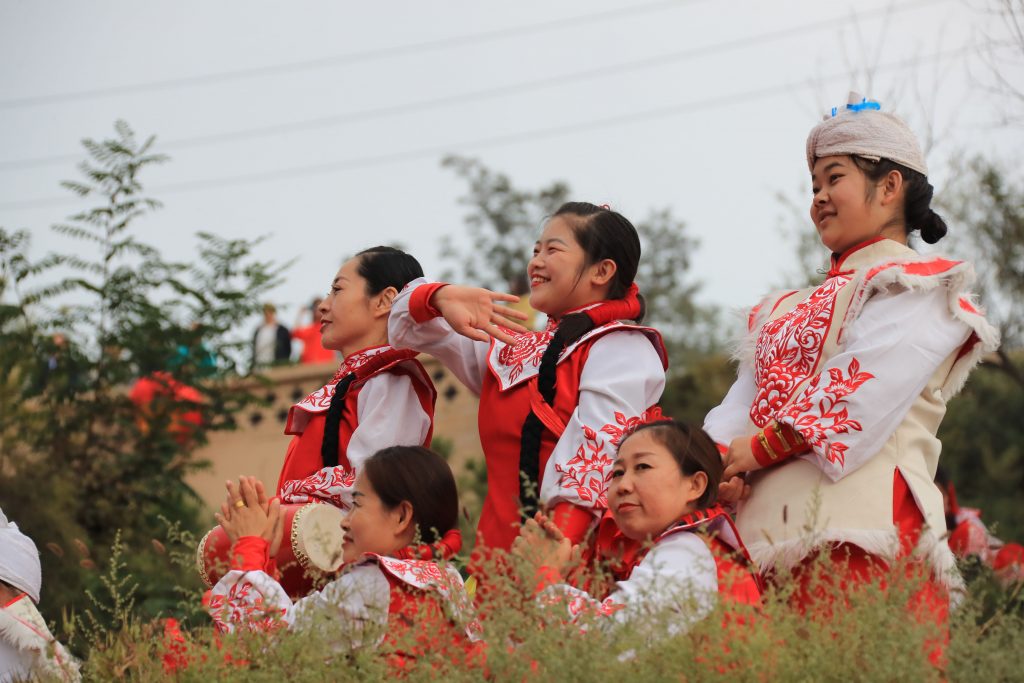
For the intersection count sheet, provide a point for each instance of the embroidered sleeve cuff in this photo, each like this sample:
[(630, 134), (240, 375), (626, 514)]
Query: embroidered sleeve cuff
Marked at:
[(250, 553), (776, 443), (546, 576), (420, 307), (573, 520)]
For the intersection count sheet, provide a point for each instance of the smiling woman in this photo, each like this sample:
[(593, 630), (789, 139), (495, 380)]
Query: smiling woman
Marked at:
[(551, 402), (394, 586), (833, 416)]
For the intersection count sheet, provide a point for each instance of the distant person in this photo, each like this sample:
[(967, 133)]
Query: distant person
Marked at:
[(271, 342), (27, 649), (313, 350)]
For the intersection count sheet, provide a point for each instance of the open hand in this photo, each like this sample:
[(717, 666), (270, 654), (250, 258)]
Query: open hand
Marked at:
[(474, 312)]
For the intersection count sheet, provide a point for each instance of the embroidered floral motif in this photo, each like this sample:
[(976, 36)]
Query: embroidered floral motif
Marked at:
[(788, 349), (587, 473), (428, 575), (243, 605), (329, 485), (528, 349), (816, 414), (624, 425), (578, 605), (320, 399)]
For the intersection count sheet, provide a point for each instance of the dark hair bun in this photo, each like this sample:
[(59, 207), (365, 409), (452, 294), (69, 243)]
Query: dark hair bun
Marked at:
[(933, 228)]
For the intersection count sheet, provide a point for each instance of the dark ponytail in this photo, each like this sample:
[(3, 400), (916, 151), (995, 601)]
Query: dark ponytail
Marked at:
[(603, 234), (381, 267), (917, 197)]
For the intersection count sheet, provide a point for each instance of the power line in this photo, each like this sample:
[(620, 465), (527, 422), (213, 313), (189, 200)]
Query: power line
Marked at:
[(348, 58), (481, 95), (509, 138)]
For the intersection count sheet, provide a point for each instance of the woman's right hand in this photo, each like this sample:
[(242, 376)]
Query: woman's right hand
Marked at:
[(474, 312)]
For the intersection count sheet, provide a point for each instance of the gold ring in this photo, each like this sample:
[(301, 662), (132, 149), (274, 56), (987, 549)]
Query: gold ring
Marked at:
[(239, 503)]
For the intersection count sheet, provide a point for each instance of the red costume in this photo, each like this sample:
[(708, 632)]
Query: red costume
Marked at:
[(688, 567), (606, 381), (390, 402)]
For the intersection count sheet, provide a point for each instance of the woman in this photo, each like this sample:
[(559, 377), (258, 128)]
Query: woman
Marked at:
[(392, 588), (552, 403), (675, 550), (379, 397), (842, 386)]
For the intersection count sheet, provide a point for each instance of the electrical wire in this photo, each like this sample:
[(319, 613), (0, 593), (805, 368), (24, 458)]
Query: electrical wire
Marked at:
[(374, 113), (740, 98)]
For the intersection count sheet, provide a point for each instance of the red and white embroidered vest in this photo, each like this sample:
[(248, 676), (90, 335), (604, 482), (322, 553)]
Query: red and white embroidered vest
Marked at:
[(505, 401), (306, 418), (794, 507)]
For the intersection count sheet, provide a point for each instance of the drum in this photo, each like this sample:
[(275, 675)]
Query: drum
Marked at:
[(309, 556)]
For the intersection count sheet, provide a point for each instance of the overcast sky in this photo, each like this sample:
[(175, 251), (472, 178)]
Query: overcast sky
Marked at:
[(323, 124)]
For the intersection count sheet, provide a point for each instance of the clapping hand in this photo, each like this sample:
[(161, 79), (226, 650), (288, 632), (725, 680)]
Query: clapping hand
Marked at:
[(248, 512), (543, 544)]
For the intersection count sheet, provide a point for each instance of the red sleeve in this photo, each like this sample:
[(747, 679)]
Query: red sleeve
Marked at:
[(250, 553), (573, 520), (420, 307), (777, 443)]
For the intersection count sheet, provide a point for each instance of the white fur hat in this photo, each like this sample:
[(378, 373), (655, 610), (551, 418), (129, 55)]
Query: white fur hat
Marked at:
[(19, 559), (862, 130)]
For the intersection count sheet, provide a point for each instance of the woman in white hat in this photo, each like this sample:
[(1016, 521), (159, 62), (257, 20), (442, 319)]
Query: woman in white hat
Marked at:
[(27, 649), (842, 386)]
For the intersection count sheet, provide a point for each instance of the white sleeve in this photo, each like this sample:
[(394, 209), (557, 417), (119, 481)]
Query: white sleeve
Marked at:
[(358, 599), (855, 403), (389, 414), (731, 418), (622, 378), (677, 576), (466, 358)]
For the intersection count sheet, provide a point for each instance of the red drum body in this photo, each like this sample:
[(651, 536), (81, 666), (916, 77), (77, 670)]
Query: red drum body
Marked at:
[(310, 553)]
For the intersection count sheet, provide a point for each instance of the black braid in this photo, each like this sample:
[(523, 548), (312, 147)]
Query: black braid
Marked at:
[(570, 328), (330, 447)]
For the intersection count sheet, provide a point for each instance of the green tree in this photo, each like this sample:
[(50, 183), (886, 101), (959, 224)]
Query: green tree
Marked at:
[(79, 459)]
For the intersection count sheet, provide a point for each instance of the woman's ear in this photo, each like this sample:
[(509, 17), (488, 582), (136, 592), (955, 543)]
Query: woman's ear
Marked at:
[(892, 187), (698, 485), (384, 301), (602, 272), (402, 517)]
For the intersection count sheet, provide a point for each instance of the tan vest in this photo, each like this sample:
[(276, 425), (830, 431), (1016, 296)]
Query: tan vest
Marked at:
[(794, 507)]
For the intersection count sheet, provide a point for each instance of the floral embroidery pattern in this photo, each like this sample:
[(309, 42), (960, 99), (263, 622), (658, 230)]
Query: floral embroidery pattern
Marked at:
[(528, 349), (588, 472), (788, 349), (427, 575), (329, 485), (816, 414), (244, 605), (624, 425)]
